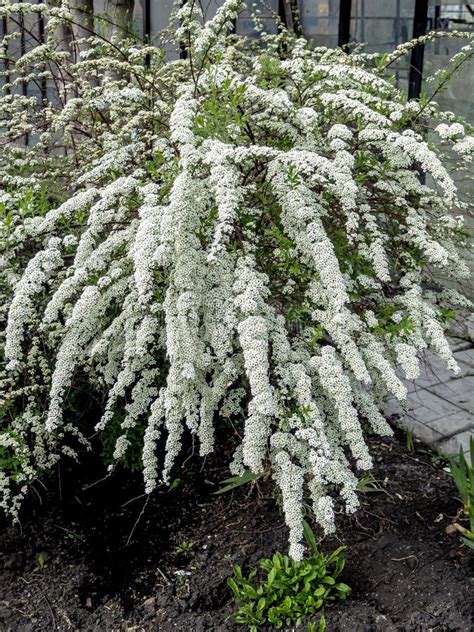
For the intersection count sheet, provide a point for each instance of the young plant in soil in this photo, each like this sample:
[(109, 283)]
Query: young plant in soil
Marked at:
[(243, 238), (284, 592), (462, 472)]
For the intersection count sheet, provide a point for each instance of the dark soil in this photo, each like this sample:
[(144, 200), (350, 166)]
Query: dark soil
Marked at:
[(79, 563)]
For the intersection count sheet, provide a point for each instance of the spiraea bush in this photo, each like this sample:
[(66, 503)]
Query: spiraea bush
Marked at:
[(245, 234)]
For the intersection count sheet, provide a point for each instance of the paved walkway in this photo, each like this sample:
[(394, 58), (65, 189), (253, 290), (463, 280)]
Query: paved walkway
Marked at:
[(441, 406)]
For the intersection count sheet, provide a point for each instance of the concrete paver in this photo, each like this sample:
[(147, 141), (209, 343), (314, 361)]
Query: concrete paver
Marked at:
[(440, 408), (451, 446)]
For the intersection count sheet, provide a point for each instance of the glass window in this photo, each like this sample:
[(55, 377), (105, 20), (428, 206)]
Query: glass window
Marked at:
[(320, 21)]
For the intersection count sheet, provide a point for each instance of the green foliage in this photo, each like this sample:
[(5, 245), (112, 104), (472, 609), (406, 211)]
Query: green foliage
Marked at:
[(132, 459), (10, 455), (368, 484), (174, 484), (285, 592), (16, 206), (321, 626), (41, 558), (32, 202), (410, 441), (463, 477), (446, 314), (236, 481), (270, 74), (386, 325), (221, 112), (184, 547)]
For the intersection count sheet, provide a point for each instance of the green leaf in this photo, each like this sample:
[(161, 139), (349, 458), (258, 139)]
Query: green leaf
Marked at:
[(175, 483), (343, 588), (41, 559), (309, 537), (233, 586), (271, 577), (238, 572), (236, 481), (468, 543), (340, 563), (261, 604), (335, 554)]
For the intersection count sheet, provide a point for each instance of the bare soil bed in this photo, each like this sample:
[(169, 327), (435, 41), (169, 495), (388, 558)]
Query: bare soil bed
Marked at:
[(79, 563)]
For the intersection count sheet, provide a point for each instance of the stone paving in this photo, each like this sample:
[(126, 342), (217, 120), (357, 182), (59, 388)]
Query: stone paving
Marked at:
[(440, 409)]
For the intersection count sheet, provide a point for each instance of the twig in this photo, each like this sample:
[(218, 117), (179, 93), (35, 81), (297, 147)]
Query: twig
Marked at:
[(96, 482), (50, 610), (137, 521), (132, 500)]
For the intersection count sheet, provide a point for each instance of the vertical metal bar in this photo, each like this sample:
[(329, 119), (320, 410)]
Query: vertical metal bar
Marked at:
[(284, 13), (396, 37), (183, 53), (147, 20), (420, 21), (289, 15), (6, 61), (436, 25), (24, 84), (234, 26), (344, 33), (43, 86), (147, 26), (397, 25)]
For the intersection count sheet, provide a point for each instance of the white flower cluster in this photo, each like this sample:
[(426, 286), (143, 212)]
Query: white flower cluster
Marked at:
[(449, 132), (258, 250)]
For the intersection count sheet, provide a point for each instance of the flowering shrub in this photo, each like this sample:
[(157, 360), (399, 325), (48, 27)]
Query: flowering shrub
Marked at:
[(244, 235)]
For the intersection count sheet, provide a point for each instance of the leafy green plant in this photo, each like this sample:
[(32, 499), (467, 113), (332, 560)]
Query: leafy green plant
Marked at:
[(284, 592), (184, 547), (463, 476)]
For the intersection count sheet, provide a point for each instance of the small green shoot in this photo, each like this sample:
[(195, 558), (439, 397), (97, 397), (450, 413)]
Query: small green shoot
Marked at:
[(236, 481), (368, 484), (174, 484), (41, 559), (185, 546), (463, 477), (321, 625)]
